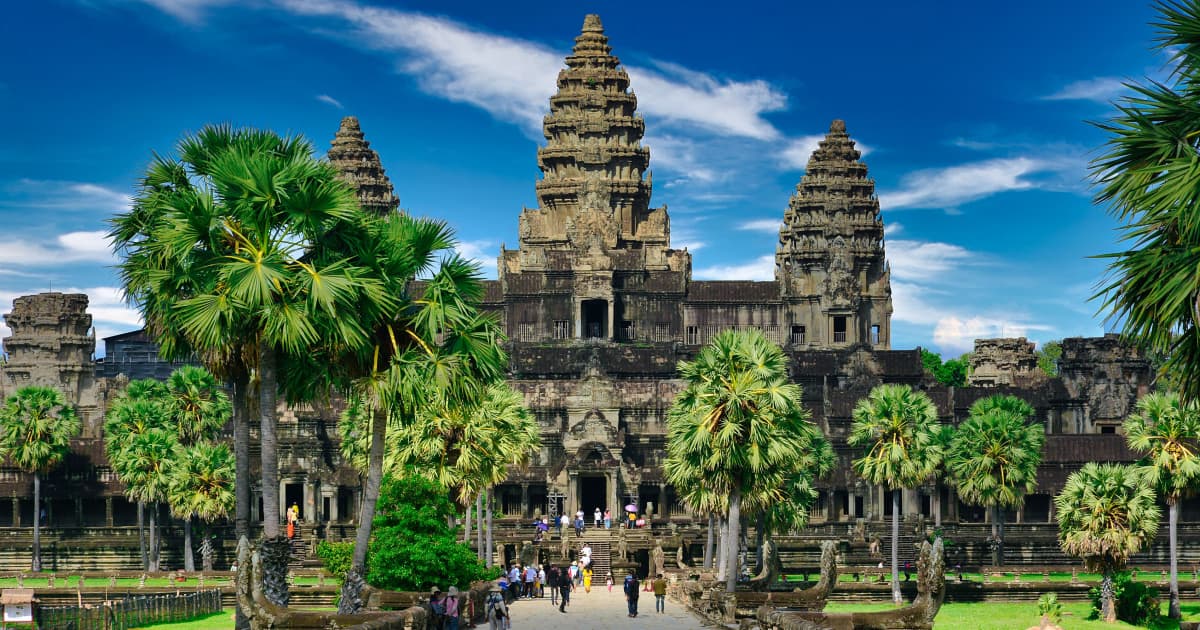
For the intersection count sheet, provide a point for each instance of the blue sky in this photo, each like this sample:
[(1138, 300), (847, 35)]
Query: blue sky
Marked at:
[(973, 118)]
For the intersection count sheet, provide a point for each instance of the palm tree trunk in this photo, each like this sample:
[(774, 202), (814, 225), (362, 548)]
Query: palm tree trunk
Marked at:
[(720, 549), (241, 486), (189, 561), (351, 601), (153, 538), (708, 546), (489, 505), (735, 521), (1000, 534), (896, 599), (37, 522), (1107, 610), (141, 516), (479, 525), (467, 526), (1172, 521), (937, 505), (759, 528), (275, 549)]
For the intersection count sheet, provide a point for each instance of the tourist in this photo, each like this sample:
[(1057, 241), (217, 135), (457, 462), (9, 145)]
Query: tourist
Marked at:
[(579, 526), (497, 610), (631, 593), (514, 581), (552, 582), (530, 578), (291, 523), (632, 519), (564, 590), (573, 573), (587, 580), (452, 608), (607, 519), (437, 607), (609, 581), (596, 518), (563, 523), (660, 594), (540, 584)]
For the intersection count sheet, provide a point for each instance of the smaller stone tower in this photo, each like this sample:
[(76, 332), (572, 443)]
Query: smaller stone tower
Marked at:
[(830, 263), (51, 345), (359, 164)]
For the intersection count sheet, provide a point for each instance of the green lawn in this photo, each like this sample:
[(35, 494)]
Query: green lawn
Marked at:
[(1142, 576), (66, 580), (216, 621), (1005, 616)]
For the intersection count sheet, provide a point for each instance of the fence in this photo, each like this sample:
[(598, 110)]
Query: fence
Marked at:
[(129, 612)]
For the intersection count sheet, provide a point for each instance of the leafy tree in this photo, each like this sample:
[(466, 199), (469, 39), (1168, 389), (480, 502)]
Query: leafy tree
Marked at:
[(1149, 176), (413, 548), (738, 421), (1167, 432), (899, 429), (145, 467), (134, 411), (1048, 355), (1106, 513), (200, 485), (37, 425), (952, 373), (243, 250), (994, 456)]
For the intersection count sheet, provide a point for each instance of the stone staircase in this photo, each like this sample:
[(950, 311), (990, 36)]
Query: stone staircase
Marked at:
[(601, 558)]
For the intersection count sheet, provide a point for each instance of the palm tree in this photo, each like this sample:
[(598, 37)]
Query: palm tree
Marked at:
[(134, 411), (1106, 513), (737, 420), (241, 250), (1167, 432), (994, 456), (200, 485), (37, 425), (1149, 175), (145, 467), (899, 428)]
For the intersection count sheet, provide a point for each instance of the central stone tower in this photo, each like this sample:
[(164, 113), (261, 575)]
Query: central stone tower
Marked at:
[(594, 257)]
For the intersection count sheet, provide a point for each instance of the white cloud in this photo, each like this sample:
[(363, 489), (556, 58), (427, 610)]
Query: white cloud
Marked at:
[(957, 335), (1100, 89), (767, 226), (186, 10), (949, 187), (923, 260), (893, 228), (733, 108), (483, 253), (110, 314), (761, 268), (72, 247), (65, 195), (797, 151), (329, 100)]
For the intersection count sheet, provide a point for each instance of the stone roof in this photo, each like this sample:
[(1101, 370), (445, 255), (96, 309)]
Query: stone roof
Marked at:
[(359, 165), (743, 291)]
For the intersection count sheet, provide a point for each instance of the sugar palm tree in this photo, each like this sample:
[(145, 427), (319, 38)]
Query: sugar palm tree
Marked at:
[(241, 250), (899, 429), (1106, 513), (36, 427), (137, 409), (1167, 432), (198, 405), (737, 419), (145, 467), (200, 485), (1149, 176), (993, 458)]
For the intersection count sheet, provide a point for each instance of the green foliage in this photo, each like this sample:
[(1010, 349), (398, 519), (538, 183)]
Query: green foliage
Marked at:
[(337, 556), (1149, 176), (1136, 602), (899, 429), (952, 373), (413, 548), (994, 455), (1106, 513), (36, 427), (1167, 432), (1050, 608), (1048, 355)]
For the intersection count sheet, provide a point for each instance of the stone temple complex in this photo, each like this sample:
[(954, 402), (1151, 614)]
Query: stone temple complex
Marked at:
[(599, 310)]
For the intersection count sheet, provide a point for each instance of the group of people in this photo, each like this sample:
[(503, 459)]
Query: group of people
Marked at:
[(446, 609), (530, 582), (633, 593), (599, 519)]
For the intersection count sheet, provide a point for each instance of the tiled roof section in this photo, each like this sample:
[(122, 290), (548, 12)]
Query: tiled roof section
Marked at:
[(732, 291), (1078, 449)]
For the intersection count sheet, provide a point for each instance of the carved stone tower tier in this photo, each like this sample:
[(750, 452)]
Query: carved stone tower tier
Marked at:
[(359, 164), (830, 263)]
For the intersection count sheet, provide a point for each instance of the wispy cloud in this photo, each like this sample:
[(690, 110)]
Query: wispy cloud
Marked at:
[(956, 335), (329, 100), (72, 247), (483, 253), (191, 11), (796, 152), (767, 226), (1099, 89), (64, 195), (761, 268), (949, 187), (924, 260)]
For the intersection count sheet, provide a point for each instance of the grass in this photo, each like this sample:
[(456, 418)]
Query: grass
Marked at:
[(1007, 616), (65, 580), (845, 575), (216, 621)]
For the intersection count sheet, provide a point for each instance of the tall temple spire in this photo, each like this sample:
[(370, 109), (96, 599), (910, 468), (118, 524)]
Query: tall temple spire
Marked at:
[(831, 243), (359, 165)]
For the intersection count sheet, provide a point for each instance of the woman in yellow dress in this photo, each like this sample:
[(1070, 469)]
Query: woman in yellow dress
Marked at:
[(587, 580)]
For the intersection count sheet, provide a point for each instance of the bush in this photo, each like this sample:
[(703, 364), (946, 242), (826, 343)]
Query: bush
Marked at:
[(336, 556), (413, 548), (1136, 602), (1049, 608)]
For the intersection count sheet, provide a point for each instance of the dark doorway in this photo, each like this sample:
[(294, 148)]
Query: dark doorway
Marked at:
[(293, 494), (839, 329), (595, 318), (593, 493)]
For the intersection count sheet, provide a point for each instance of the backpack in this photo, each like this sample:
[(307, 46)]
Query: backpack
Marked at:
[(497, 611), (438, 607)]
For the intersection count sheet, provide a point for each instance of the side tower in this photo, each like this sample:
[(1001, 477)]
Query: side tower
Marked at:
[(359, 164), (594, 259), (830, 265)]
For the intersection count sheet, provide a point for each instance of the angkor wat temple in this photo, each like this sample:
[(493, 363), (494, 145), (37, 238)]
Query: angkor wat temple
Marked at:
[(599, 309)]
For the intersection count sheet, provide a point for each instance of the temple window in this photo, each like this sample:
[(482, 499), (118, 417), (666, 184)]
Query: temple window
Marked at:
[(798, 334), (875, 334), (662, 331), (839, 329), (562, 329), (627, 330), (693, 336), (595, 314)]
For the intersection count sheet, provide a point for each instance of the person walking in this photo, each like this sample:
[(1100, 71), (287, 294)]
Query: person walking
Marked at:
[(587, 580), (497, 610), (632, 588), (539, 585), (552, 583), (596, 518), (514, 581), (607, 519), (609, 581), (452, 608), (579, 525), (563, 523), (660, 594), (530, 578), (564, 590)]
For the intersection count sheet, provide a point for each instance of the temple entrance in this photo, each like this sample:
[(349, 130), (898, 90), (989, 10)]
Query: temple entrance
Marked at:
[(595, 318), (293, 493), (593, 493)]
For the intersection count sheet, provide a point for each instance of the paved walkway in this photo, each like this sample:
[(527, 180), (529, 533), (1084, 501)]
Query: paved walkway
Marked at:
[(600, 610)]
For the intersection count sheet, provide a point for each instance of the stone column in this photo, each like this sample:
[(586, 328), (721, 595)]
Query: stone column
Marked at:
[(108, 511), (283, 506), (851, 495), (333, 506), (664, 510), (912, 502), (79, 511), (579, 319), (572, 494), (524, 499), (614, 503), (16, 512), (308, 511)]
